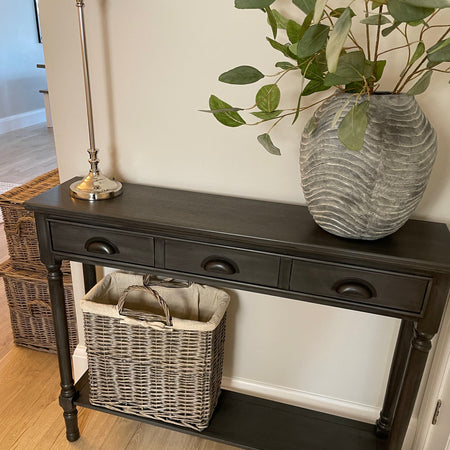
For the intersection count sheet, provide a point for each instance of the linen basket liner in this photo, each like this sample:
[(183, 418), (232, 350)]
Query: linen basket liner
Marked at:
[(196, 307)]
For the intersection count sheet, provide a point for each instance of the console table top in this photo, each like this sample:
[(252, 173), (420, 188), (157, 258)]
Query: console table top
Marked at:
[(271, 225)]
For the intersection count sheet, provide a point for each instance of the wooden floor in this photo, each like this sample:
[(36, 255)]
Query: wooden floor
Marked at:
[(30, 417), (26, 153)]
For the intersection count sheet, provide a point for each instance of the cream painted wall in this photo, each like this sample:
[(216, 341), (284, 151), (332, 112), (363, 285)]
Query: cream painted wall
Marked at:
[(153, 66)]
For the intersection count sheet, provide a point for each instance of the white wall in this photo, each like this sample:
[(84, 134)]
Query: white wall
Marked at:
[(20, 51), (153, 66)]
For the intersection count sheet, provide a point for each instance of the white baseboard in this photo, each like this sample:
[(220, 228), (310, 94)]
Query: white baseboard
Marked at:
[(329, 405), (79, 361), (308, 400), (23, 120), (316, 402)]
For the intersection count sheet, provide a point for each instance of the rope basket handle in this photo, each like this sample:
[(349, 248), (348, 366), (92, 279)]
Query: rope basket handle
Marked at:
[(21, 221), (141, 315), (40, 303)]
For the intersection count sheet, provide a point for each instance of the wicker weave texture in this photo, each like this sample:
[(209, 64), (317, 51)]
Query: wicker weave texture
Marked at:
[(20, 228), (159, 373), (29, 306), (169, 375)]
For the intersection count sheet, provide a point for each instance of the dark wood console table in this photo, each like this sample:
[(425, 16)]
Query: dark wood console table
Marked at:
[(263, 247)]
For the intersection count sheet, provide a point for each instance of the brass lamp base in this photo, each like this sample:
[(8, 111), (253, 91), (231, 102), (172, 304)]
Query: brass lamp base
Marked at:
[(95, 187)]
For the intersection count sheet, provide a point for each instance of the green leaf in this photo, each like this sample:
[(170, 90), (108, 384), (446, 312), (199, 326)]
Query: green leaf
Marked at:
[(404, 12), (281, 20), (418, 52), (228, 118), (318, 10), (375, 19), (338, 36), (293, 31), (430, 64), (266, 142), (440, 52), (285, 65), (352, 129), (267, 115), (429, 3), (268, 98), (283, 48), (241, 75), (338, 12), (381, 64), (422, 84), (315, 69), (305, 25), (297, 111), (388, 30), (252, 4), (351, 67), (306, 6), (313, 40), (314, 86), (272, 22), (311, 126)]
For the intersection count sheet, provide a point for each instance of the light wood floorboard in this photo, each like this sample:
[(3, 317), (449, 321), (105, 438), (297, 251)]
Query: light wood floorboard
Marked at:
[(26, 153), (30, 416)]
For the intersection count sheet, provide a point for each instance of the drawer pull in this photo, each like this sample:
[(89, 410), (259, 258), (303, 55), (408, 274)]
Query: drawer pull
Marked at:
[(219, 266), (100, 246), (354, 290)]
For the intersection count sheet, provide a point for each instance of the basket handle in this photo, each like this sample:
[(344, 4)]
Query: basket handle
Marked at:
[(141, 315), (40, 303), (153, 280), (22, 220)]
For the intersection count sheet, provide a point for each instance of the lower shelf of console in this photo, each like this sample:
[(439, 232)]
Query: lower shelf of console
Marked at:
[(254, 423)]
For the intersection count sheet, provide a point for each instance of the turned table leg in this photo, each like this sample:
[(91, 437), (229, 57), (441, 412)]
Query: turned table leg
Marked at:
[(420, 347), (397, 372), (68, 393)]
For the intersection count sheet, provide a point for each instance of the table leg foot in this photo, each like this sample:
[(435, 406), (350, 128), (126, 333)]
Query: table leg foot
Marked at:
[(72, 431), (382, 427)]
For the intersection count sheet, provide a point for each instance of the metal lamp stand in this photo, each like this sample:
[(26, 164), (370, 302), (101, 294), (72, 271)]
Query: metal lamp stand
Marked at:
[(94, 186)]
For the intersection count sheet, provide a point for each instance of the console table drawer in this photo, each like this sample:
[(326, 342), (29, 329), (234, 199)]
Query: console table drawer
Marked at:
[(104, 243), (383, 289), (220, 262)]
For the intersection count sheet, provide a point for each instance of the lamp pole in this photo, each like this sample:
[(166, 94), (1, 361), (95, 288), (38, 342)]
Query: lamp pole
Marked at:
[(94, 186)]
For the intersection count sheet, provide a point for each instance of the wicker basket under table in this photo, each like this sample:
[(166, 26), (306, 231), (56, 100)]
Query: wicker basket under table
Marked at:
[(20, 228), (171, 369), (30, 310)]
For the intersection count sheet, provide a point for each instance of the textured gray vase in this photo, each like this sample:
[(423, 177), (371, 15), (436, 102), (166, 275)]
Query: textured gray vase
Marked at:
[(371, 193)]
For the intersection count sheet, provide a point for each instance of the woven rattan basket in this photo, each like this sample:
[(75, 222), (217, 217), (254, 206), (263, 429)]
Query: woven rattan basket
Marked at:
[(20, 228), (167, 368), (31, 314)]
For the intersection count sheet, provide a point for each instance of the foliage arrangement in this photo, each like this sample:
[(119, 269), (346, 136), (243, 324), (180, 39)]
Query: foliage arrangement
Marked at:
[(323, 50)]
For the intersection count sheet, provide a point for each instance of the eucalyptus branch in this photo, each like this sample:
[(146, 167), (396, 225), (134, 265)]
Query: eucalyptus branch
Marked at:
[(426, 26), (353, 39), (399, 47), (293, 111), (328, 16), (367, 30), (407, 42), (377, 43), (399, 87)]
